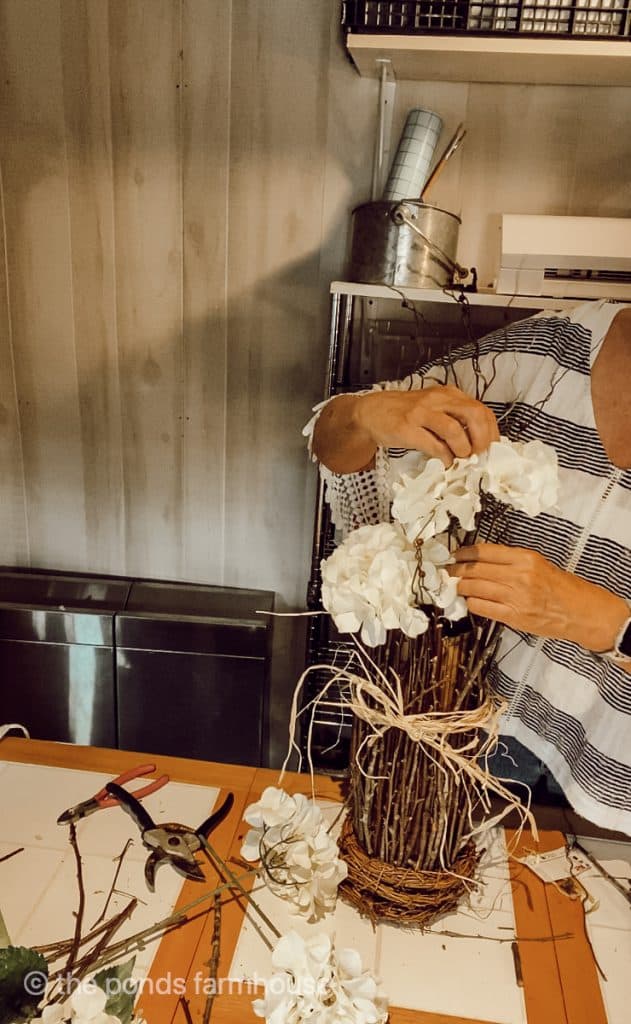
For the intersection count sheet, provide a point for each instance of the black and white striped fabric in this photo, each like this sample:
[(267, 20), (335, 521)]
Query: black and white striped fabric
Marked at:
[(570, 707)]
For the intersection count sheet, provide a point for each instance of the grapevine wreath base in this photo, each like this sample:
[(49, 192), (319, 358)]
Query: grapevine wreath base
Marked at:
[(384, 891)]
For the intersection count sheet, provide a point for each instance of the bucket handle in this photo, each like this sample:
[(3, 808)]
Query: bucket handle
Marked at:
[(399, 216)]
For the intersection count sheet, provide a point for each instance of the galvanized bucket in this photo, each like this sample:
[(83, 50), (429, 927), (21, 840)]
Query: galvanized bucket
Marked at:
[(406, 244)]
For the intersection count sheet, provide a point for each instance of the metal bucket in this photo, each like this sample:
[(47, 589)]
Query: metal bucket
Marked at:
[(406, 244)]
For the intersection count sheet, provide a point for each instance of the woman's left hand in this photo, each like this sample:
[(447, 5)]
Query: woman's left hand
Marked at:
[(524, 590)]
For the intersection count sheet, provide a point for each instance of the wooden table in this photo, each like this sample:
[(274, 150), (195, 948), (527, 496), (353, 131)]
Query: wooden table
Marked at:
[(559, 977)]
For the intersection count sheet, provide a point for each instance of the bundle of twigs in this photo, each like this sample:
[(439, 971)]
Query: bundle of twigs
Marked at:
[(423, 721), (408, 808)]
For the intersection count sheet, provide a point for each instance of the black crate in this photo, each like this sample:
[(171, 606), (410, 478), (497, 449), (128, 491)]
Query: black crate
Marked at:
[(405, 17), (577, 18)]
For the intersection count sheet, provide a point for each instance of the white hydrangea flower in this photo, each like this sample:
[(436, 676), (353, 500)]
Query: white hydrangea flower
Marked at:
[(87, 1001), (300, 858), (367, 584), (53, 1014), (274, 808), (426, 503), (315, 983), (85, 1005), (523, 474), (437, 586)]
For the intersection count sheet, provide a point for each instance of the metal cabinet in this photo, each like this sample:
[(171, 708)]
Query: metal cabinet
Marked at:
[(168, 668), (57, 655), (192, 667)]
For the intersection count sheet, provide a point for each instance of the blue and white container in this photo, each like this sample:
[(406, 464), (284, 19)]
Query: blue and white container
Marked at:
[(414, 156)]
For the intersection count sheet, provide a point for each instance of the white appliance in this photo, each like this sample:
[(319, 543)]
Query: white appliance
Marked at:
[(567, 257)]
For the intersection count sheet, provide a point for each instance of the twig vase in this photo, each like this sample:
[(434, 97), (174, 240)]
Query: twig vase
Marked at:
[(408, 808)]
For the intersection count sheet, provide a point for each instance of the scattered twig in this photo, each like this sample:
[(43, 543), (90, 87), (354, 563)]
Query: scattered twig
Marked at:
[(167, 924), (240, 863), (109, 932), (54, 950), (498, 938), (119, 859), (573, 843), (76, 942), (213, 963), (8, 856), (186, 1009), (224, 872)]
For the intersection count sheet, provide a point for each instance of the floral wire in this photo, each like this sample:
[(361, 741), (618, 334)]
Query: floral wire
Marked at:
[(265, 851), (557, 376), (409, 304), (445, 360), (418, 590)]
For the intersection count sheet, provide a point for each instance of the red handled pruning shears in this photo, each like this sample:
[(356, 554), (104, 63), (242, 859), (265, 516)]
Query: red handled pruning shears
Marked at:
[(104, 799)]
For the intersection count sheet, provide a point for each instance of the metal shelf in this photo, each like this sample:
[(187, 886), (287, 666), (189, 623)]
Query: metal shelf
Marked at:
[(481, 298), (498, 59)]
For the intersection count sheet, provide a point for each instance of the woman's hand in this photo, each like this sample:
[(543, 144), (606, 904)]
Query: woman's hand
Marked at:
[(441, 421), (524, 590)]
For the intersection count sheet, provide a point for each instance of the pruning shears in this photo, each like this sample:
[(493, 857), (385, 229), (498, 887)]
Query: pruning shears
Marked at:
[(170, 842)]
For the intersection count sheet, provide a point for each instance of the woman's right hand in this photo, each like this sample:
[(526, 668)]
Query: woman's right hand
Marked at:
[(440, 421)]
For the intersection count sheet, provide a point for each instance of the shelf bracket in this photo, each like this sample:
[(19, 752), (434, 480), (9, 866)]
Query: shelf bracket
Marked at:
[(385, 110)]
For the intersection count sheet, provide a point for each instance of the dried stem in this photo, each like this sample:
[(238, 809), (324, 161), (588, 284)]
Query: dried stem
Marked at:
[(8, 856), (119, 859), (224, 872), (167, 924), (213, 963), (76, 941), (186, 1009), (108, 934)]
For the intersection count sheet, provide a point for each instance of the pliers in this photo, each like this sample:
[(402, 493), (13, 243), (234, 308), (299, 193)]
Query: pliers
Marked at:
[(171, 842), (103, 799)]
